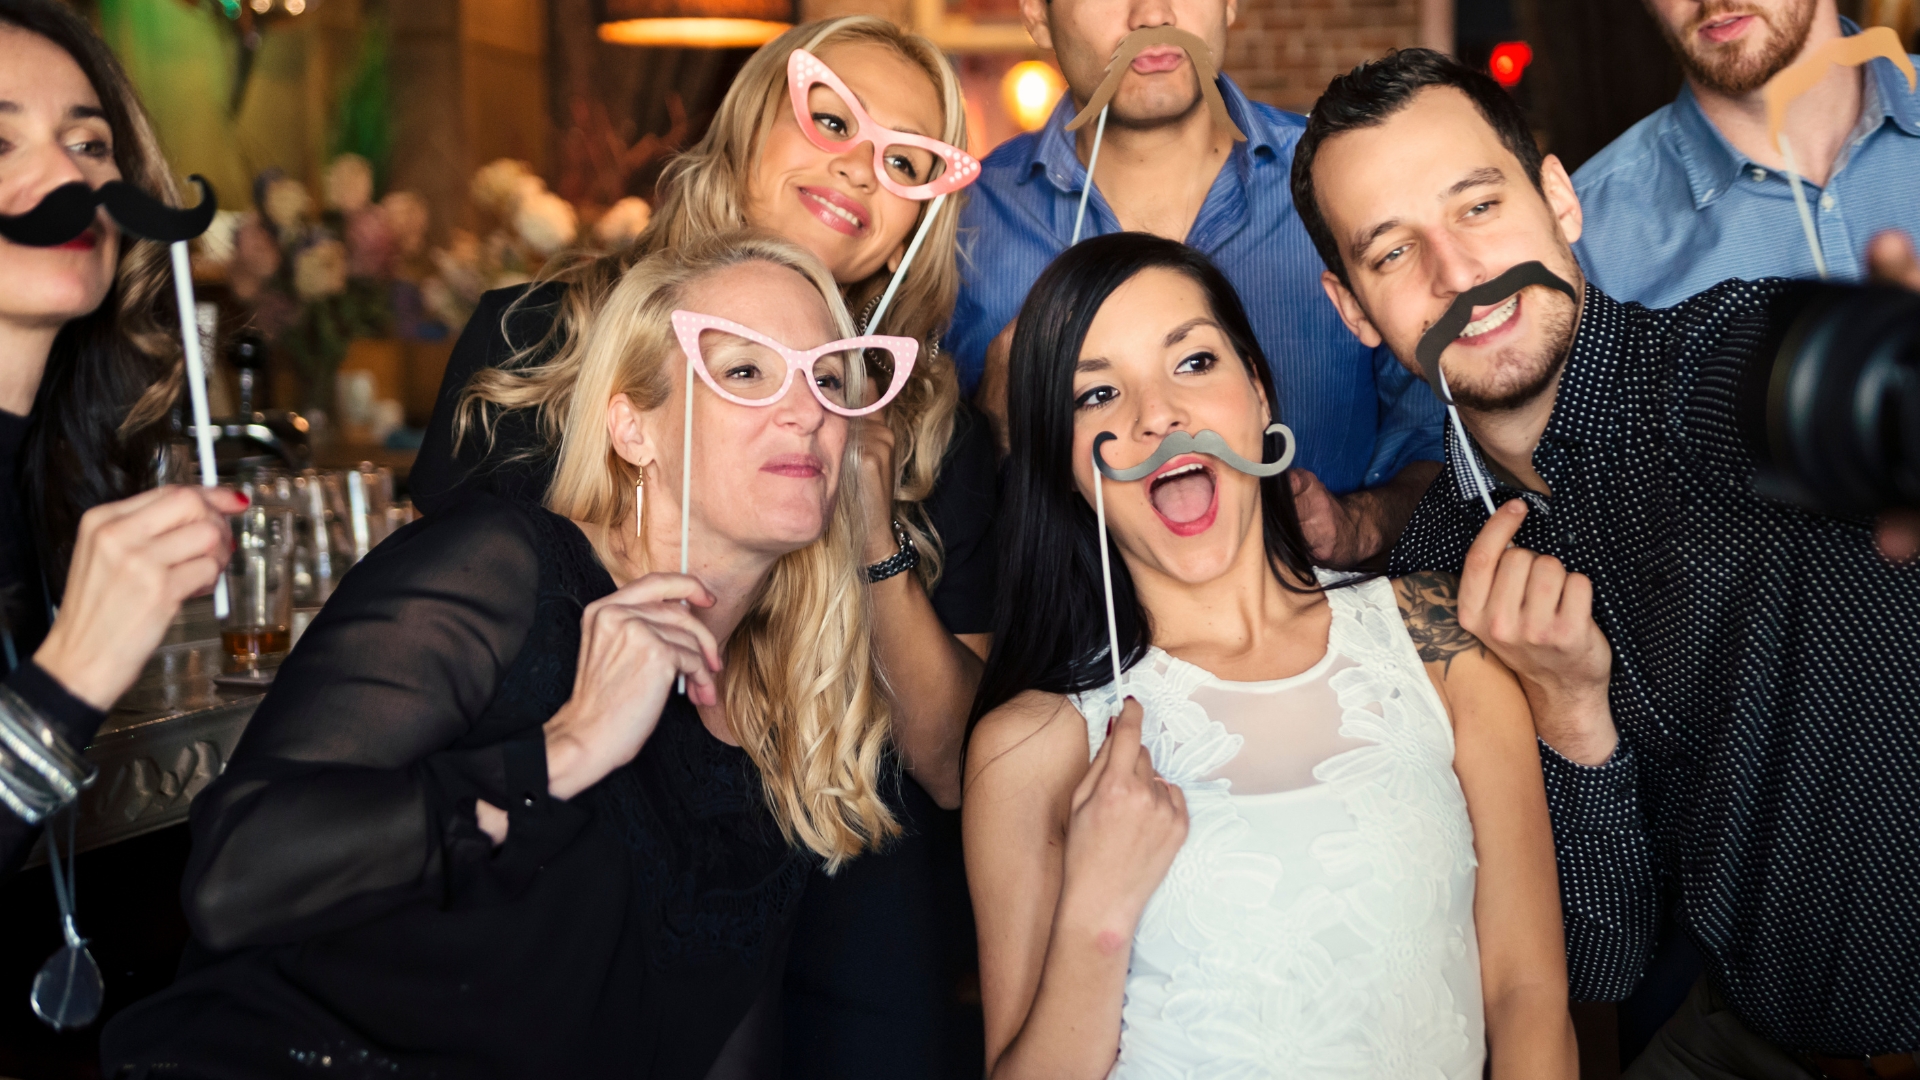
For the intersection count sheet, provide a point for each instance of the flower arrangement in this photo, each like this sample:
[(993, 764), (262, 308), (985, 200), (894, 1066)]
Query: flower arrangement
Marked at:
[(319, 273), (317, 277)]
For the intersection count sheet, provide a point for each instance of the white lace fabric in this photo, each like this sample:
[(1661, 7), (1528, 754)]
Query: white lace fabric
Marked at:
[(1318, 921)]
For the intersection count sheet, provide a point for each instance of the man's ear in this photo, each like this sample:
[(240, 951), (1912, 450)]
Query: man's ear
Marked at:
[(1350, 310), (1033, 15), (1561, 198), (630, 433)]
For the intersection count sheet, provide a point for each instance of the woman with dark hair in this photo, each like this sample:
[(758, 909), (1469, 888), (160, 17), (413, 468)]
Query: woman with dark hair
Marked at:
[(1269, 867), (88, 371)]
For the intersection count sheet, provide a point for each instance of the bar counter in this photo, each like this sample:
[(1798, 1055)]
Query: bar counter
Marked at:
[(167, 737)]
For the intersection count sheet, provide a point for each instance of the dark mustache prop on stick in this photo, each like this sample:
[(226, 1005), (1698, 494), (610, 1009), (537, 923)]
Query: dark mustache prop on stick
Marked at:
[(68, 990), (1447, 328), (68, 210), (1208, 442)]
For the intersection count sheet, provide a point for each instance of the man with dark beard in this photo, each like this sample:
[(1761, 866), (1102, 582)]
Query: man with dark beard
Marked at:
[(1727, 688), (1696, 193)]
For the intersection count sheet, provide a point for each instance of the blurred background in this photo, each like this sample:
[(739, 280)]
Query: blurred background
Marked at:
[(382, 162)]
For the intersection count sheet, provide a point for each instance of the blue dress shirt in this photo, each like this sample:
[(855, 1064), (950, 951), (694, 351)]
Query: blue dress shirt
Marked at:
[(1672, 209), (1359, 416)]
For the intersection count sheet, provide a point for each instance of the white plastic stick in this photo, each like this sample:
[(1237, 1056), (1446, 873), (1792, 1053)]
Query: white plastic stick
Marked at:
[(1106, 569), (1800, 204), (197, 389), (686, 482), (1467, 456), (1093, 159), (900, 275)]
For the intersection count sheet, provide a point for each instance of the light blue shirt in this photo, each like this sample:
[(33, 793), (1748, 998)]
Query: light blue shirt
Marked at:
[(1358, 415), (1672, 209)]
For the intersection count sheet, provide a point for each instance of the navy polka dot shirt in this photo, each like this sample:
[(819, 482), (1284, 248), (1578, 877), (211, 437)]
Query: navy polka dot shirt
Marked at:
[(1766, 683)]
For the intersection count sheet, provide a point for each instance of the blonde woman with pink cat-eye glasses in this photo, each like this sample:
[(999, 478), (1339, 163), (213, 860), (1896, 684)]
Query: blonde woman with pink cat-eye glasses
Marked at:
[(848, 137)]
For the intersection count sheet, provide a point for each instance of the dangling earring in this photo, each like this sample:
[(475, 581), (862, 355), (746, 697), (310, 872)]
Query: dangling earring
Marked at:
[(639, 500)]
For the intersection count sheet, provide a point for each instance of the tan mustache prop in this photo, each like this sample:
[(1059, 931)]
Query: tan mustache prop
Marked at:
[(1780, 92), (1140, 41)]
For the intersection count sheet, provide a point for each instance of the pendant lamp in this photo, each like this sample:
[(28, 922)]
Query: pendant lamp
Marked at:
[(697, 24)]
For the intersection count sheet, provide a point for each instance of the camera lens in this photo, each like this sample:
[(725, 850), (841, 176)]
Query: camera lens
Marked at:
[(1843, 403)]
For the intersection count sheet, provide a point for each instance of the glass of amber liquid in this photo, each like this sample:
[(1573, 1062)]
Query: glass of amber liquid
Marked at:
[(259, 624)]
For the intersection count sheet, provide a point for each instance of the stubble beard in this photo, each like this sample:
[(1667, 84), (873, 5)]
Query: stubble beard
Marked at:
[(1165, 117), (1735, 70), (1541, 368)]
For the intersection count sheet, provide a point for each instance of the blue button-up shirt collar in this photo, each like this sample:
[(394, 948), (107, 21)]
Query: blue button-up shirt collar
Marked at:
[(1672, 208), (1712, 164), (1055, 158)]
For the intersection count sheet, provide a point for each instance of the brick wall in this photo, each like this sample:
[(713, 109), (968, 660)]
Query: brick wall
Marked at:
[(1283, 52)]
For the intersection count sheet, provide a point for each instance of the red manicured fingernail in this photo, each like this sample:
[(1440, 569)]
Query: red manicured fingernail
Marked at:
[(244, 501)]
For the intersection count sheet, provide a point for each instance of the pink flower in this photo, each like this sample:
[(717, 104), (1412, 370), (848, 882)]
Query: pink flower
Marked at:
[(370, 243)]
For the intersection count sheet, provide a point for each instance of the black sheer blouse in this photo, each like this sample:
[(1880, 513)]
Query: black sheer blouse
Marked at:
[(348, 912)]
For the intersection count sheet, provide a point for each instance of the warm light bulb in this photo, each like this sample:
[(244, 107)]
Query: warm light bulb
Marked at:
[(295, 7), (1030, 89), (261, 7)]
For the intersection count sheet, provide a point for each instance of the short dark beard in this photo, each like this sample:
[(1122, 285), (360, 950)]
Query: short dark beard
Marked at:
[(1732, 73), (1559, 324)]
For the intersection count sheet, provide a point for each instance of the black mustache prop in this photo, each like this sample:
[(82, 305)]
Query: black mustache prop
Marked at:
[(1460, 313), (68, 210), (1207, 442)]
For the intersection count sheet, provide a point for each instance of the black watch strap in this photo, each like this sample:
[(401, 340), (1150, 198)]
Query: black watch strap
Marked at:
[(900, 561)]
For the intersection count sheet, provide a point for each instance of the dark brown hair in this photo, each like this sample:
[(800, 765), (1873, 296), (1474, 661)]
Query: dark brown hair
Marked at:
[(1371, 94), (101, 413)]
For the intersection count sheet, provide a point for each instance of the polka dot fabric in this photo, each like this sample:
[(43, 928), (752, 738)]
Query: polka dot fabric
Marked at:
[(1766, 683)]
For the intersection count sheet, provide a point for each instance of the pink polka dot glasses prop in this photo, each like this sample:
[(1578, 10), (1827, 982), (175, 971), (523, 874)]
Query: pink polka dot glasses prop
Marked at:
[(911, 166), (852, 377)]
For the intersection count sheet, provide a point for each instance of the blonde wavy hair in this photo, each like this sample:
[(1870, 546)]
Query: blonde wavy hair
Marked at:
[(801, 693), (704, 193)]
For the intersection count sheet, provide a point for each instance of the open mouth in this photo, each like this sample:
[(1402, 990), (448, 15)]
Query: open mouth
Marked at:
[(1186, 497), (1491, 321)]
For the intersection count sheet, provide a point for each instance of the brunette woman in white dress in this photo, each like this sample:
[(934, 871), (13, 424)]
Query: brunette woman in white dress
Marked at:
[(1313, 837)]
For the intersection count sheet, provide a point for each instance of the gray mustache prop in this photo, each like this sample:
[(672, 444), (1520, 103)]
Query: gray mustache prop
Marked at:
[(1209, 443), (1460, 313)]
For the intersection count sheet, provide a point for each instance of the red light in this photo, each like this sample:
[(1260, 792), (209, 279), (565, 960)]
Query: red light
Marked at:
[(1509, 62)]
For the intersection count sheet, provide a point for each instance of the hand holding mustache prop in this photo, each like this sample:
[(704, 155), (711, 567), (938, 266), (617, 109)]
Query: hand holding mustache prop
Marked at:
[(1443, 332), (1209, 443), (68, 210)]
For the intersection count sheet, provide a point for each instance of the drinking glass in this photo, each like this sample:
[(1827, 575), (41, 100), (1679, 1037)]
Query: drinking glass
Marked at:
[(259, 623)]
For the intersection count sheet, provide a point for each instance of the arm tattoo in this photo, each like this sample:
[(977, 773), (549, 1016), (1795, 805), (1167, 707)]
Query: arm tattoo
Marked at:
[(1429, 602)]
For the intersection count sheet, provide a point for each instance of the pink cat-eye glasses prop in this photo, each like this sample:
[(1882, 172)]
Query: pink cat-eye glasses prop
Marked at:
[(946, 168), (843, 375)]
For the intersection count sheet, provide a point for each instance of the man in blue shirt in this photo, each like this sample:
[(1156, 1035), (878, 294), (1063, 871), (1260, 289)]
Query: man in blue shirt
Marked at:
[(1369, 432), (1696, 193)]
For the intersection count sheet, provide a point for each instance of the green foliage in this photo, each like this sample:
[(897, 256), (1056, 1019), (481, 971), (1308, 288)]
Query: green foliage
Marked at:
[(360, 125)]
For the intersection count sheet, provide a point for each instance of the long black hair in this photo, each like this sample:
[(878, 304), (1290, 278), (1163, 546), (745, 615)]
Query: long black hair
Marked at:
[(101, 412), (1049, 628)]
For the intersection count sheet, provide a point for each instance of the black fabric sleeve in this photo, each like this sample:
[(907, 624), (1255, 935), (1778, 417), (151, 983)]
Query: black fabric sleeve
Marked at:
[(73, 719), (961, 508), (491, 338), (352, 791), (1609, 887)]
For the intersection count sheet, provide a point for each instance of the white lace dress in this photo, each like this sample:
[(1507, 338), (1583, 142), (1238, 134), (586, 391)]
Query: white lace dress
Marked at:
[(1318, 921)]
